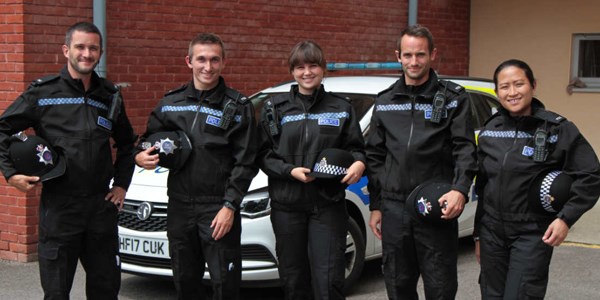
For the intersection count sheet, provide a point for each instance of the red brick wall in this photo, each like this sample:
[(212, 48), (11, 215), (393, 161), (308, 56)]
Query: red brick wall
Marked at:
[(147, 42), (448, 20)]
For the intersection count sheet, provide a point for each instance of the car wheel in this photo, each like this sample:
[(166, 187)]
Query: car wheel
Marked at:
[(355, 254)]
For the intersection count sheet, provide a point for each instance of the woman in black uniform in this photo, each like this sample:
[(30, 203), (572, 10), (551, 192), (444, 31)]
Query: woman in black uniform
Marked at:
[(309, 214), (514, 234)]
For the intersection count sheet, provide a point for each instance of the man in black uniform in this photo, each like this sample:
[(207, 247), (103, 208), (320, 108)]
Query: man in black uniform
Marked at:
[(78, 211), (420, 130), (204, 223)]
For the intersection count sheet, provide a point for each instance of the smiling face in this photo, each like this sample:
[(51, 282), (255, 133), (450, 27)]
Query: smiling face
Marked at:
[(308, 76), (416, 59), (307, 64), (83, 53), (515, 91), (206, 63)]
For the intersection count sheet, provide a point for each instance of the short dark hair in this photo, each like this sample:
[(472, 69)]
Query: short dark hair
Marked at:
[(518, 64), (206, 38), (306, 52), (84, 27), (417, 31)]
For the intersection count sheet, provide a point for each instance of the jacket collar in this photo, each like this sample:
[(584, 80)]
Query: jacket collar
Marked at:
[(317, 95), (77, 83), (426, 89), (213, 96), (537, 108)]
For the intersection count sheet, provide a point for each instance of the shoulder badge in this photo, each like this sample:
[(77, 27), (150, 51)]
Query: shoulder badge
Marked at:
[(451, 86), (237, 96), (278, 99), (177, 90), (550, 116), (347, 99), (109, 86), (389, 88), (495, 115), (43, 80)]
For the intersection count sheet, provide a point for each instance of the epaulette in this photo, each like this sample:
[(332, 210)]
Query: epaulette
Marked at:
[(550, 116), (177, 90), (110, 86), (347, 99), (497, 114), (447, 85), (43, 80), (386, 90), (278, 99), (237, 96)]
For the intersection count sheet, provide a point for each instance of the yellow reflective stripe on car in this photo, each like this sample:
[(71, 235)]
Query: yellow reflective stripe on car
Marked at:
[(481, 89)]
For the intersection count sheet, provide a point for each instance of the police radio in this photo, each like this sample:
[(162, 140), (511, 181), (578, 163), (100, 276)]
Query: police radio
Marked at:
[(271, 116), (115, 105), (439, 104), (539, 151), (228, 114)]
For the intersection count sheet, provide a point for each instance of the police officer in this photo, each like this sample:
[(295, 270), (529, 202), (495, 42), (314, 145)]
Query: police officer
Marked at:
[(309, 215), (420, 130), (78, 210), (204, 223), (514, 241)]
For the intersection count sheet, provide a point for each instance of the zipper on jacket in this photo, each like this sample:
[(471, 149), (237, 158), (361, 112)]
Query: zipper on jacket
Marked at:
[(190, 183), (504, 160), (89, 131), (306, 141), (410, 136), (305, 145), (197, 111)]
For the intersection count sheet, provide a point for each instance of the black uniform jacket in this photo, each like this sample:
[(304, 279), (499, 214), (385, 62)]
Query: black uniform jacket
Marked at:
[(329, 121), (507, 168), (74, 122), (221, 164), (405, 149)]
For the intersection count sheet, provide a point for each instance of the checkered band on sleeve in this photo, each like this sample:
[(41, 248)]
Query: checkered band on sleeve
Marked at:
[(545, 196), (325, 168)]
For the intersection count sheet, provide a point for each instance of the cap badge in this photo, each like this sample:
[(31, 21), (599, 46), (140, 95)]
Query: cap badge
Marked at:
[(323, 162), (424, 206), (44, 154), (166, 146)]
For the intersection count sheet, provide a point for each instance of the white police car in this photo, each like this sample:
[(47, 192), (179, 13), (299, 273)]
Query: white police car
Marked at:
[(142, 223)]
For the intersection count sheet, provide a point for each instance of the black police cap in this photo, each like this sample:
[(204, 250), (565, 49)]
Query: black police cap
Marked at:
[(422, 203), (34, 156), (332, 164), (549, 191), (173, 148)]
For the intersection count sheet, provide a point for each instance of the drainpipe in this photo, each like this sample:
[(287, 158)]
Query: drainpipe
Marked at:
[(99, 9), (412, 12)]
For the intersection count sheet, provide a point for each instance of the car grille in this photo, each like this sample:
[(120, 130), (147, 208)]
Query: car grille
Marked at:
[(146, 261), (249, 252), (156, 222), (256, 252)]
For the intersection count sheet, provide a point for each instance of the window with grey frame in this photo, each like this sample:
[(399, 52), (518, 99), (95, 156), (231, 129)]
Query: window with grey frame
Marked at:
[(585, 62)]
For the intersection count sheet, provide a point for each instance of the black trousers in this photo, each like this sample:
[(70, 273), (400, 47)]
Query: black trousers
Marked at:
[(514, 259), (191, 247), (412, 248), (78, 228), (310, 248)]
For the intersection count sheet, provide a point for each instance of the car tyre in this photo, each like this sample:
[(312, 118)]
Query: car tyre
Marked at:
[(355, 254)]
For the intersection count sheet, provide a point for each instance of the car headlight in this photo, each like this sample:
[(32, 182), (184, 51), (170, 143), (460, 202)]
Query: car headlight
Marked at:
[(256, 204)]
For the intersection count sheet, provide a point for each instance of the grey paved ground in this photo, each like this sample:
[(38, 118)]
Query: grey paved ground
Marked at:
[(574, 274)]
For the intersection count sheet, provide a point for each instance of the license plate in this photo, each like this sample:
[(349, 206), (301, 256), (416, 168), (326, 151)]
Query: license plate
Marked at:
[(144, 246)]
